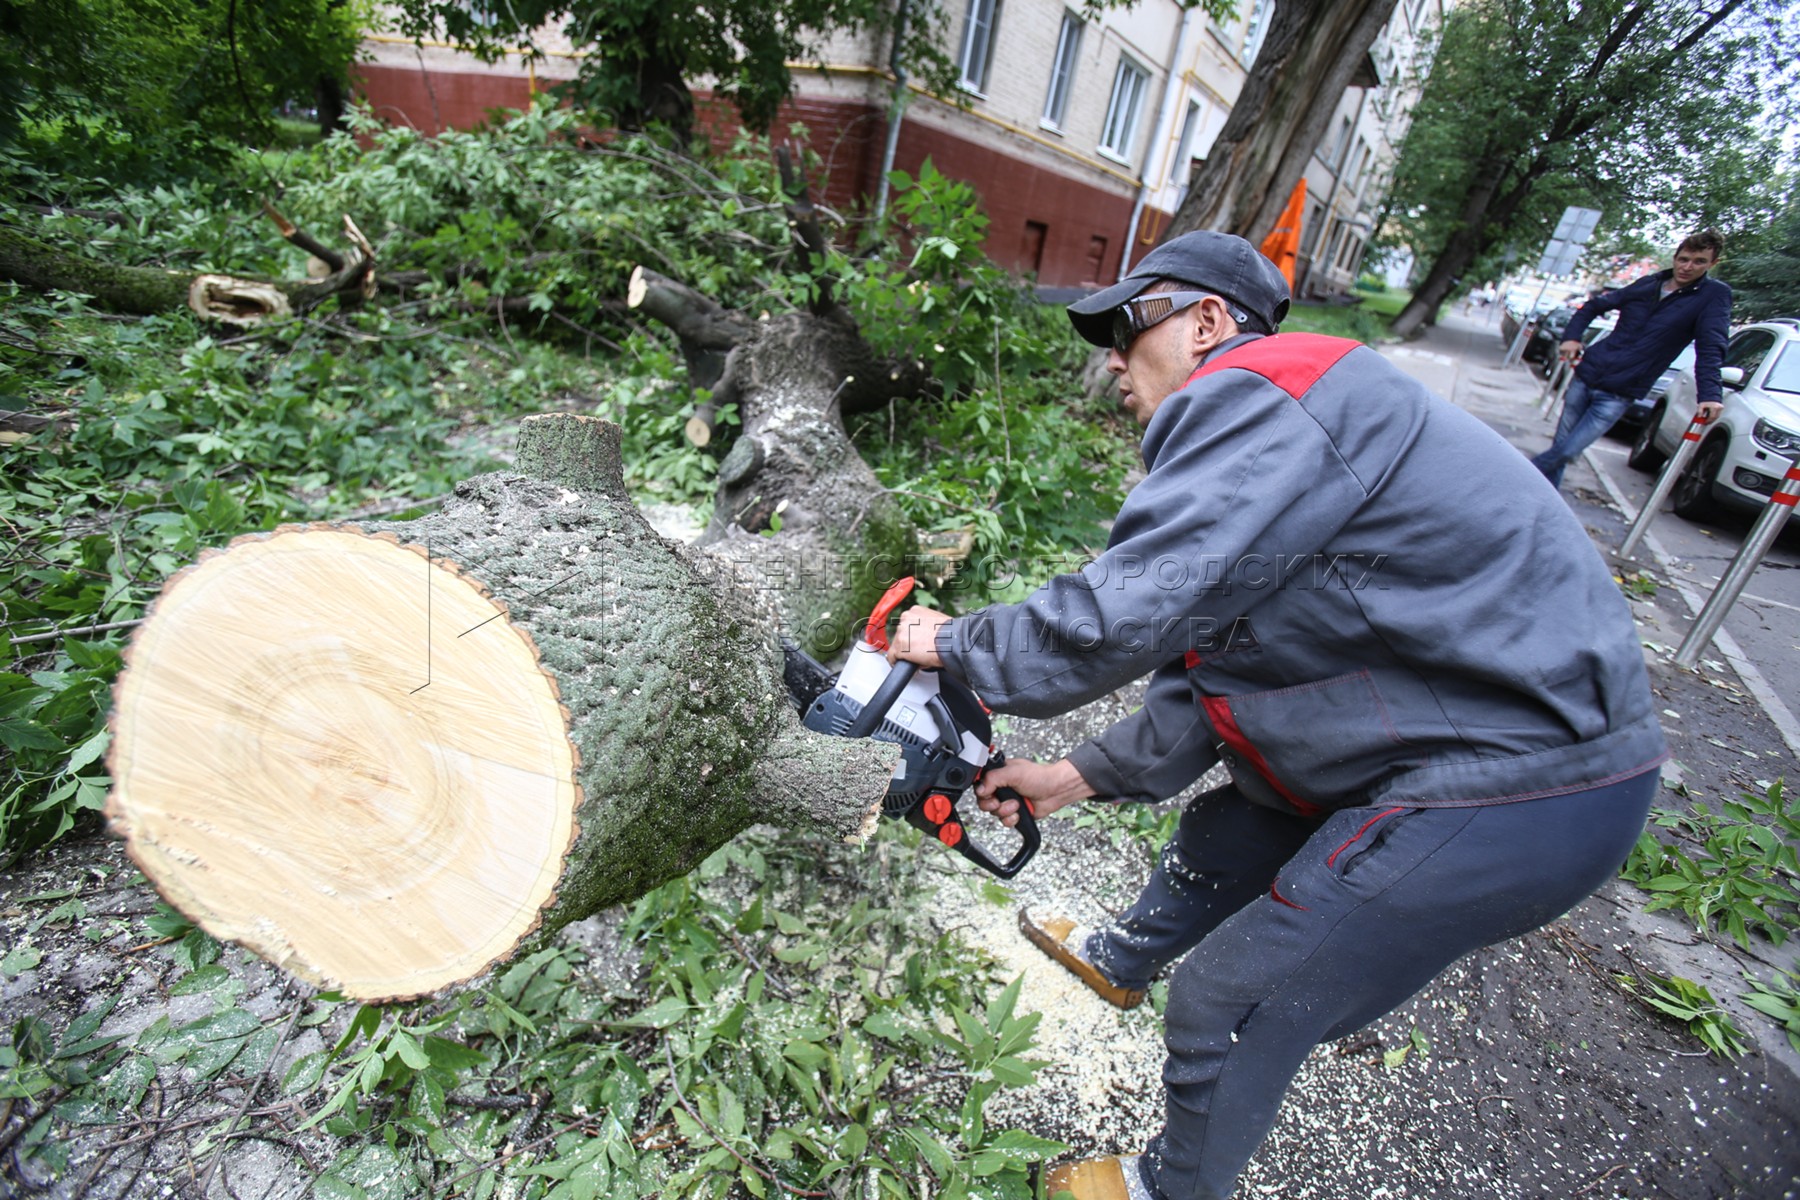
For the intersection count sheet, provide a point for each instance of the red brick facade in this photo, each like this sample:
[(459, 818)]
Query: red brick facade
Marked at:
[(1040, 222)]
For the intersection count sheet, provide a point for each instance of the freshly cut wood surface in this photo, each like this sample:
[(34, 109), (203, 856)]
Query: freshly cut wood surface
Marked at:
[(305, 745)]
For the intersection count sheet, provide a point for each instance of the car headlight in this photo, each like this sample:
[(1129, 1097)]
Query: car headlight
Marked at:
[(1776, 438)]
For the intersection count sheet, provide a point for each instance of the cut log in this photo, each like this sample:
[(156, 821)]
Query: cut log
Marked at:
[(384, 757)]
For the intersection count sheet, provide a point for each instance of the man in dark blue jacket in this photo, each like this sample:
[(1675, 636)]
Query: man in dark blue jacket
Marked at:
[(1658, 315)]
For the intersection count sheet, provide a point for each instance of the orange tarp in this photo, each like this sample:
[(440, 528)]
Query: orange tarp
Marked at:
[(1282, 245)]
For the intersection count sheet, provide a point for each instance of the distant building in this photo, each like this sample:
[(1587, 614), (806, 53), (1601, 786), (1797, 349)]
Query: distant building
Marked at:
[(1079, 135)]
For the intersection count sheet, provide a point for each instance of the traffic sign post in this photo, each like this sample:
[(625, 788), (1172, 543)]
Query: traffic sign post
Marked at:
[(1559, 258)]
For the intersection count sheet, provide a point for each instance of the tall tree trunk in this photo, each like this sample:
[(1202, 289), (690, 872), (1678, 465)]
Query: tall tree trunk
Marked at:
[(383, 757), (328, 94), (1311, 53), (1486, 214)]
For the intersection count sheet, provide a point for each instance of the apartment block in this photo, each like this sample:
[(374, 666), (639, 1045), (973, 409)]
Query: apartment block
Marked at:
[(1079, 133)]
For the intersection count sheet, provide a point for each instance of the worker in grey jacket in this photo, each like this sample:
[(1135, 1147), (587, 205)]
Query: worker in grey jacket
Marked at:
[(1382, 620)]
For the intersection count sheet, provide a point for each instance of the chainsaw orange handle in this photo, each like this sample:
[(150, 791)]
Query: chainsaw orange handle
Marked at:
[(876, 632)]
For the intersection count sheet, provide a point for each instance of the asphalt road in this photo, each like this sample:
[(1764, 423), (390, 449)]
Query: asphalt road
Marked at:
[(1760, 641)]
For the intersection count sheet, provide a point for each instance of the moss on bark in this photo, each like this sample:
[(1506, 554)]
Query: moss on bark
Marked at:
[(670, 671)]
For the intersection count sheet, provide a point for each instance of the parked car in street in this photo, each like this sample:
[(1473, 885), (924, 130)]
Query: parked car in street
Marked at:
[(1638, 415), (1545, 337), (1547, 334), (1519, 310), (1746, 451)]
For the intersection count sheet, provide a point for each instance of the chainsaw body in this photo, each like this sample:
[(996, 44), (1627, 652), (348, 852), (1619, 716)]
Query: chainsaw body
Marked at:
[(942, 729)]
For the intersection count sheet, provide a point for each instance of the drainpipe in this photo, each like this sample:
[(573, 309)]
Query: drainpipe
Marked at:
[(1165, 120), (896, 111)]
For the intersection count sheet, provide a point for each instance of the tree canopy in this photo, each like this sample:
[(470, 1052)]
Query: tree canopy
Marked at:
[(1657, 114), (1764, 268), (114, 87), (644, 55)]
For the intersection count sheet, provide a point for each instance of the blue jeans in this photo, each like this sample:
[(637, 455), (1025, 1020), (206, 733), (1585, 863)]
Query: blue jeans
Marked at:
[(1587, 413), (1299, 931)]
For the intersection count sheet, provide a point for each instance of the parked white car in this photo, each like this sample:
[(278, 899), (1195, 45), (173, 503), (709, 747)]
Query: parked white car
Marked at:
[(1743, 454)]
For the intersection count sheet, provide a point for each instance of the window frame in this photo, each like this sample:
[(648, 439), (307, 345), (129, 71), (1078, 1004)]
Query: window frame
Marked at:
[(976, 81), (1256, 29), (1120, 149), (1062, 70)]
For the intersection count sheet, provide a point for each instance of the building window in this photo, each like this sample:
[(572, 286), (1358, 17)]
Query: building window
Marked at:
[(1062, 69), (1184, 149), (1122, 109), (1255, 31), (1314, 225), (978, 43)]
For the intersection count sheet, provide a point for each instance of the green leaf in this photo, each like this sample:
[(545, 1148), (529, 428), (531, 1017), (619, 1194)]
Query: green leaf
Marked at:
[(1002, 1006), (806, 1054), (18, 734), (668, 1011), (306, 1072), (204, 980), (447, 1055), (406, 1047), (19, 960)]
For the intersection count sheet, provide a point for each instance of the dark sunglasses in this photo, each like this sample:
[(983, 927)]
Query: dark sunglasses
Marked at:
[(1136, 315)]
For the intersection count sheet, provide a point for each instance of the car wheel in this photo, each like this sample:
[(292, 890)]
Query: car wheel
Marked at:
[(1644, 455), (1693, 494)]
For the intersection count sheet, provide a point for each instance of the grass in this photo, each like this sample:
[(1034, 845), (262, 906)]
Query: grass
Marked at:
[(1350, 321), (1385, 303)]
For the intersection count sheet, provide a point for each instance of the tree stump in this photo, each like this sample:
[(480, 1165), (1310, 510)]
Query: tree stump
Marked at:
[(385, 756)]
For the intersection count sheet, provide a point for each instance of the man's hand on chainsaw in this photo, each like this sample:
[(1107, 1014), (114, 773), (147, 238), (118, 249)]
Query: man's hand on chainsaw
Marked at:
[(1049, 785), (914, 639)]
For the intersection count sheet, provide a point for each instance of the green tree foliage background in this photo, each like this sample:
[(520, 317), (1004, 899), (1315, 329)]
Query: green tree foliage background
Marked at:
[(1660, 115), (644, 55), (140, 88), (1763, 268)]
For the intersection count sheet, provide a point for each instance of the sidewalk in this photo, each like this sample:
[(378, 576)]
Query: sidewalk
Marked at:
[(1722, 739)]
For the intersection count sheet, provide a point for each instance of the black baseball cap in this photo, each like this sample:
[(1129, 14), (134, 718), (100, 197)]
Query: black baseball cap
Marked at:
[(1221, 263)]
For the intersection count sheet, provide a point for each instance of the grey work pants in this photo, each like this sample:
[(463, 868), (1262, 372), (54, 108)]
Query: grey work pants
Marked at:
[(1297, 931)]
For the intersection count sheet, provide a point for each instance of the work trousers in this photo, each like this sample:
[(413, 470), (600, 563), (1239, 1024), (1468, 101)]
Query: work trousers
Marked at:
[(1297, 931), (1587, 414)]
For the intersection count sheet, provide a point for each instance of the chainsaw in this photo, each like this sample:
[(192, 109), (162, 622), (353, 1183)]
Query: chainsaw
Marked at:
[(941, 727)]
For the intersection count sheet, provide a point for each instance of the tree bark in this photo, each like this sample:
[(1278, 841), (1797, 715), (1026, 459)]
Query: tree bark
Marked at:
[(238, 300), (840, 537), (1311, 53), (1487, 214), (386, 757), (42, 267)]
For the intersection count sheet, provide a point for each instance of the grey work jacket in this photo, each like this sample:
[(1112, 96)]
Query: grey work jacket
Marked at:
[(1347, 590)]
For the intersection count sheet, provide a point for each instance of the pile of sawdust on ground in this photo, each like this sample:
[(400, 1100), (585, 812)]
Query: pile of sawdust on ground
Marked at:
[(1526, 1072)]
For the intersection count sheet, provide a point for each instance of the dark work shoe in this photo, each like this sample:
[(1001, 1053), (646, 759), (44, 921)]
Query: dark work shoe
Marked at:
[(1051, 935)]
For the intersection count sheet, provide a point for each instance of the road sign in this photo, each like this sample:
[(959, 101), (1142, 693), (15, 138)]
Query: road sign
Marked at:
[(1569, 240)]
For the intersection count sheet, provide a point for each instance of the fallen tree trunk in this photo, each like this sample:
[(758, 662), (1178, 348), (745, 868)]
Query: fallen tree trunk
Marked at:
[(145, 291), (383, 757), (793, 471)]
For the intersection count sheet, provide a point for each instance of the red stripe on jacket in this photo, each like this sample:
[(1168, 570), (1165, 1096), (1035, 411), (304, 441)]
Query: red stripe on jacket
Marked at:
[(1292, 362), (1218, 709)]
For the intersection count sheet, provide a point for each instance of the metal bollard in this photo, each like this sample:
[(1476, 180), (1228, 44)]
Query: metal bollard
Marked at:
[(1552, 383), (1548, 402), (1737, 575), (1665, 483)]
